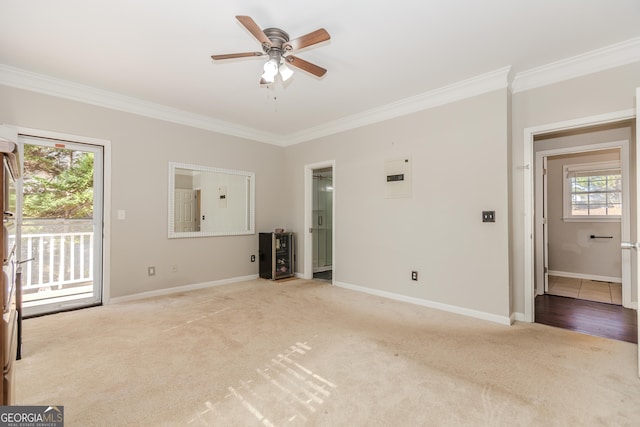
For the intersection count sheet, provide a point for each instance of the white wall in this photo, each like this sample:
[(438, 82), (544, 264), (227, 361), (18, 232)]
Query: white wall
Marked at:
[(599, 93), (459, 156), (463, 163), (141, 151)]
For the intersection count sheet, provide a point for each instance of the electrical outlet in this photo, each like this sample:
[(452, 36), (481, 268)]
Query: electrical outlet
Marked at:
[(151, 271), (414, 275), (488, 216), (253, 258)]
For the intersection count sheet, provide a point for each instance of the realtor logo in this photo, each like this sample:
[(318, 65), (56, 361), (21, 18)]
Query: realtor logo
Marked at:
[(31, 416)]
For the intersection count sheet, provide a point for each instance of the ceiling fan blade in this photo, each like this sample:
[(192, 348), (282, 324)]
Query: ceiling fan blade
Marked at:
[(253, 28), (312, 38), (305, 66), (236, 55)]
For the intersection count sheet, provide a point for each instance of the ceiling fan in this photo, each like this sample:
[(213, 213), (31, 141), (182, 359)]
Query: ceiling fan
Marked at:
[(276, 44)]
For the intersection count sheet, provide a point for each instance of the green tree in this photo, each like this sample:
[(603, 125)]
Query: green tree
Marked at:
[(58, 183)]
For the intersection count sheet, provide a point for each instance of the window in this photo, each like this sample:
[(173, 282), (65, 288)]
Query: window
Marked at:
[(593, 191)]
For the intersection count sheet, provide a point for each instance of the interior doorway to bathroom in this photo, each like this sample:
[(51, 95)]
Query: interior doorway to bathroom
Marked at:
[(322, 223)]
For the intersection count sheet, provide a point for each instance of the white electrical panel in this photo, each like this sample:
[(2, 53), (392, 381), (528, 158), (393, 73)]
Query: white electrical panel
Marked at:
[(397, 178)]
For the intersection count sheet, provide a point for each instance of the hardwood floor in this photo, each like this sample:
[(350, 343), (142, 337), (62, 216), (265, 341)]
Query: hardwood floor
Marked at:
[(593, 318)]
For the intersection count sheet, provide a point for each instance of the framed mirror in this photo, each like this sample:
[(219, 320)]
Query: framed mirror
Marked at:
[(208, 201)]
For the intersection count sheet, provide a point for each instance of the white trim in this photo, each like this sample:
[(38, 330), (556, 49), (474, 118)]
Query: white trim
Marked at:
[(529, 133), (106, 194), (581, 276), (478, 85), (308, 213), (40, 83), (178, 289), (597, 60), (503, 320), (517, 317), (612, 56), (615, 55), (251, 217), (624, 220), (27, 80)]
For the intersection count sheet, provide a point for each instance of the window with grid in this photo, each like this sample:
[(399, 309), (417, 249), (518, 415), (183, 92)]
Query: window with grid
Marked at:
[(593, 191)]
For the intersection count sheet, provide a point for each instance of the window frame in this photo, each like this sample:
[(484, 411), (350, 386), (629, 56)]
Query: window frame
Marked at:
[(567, 216)]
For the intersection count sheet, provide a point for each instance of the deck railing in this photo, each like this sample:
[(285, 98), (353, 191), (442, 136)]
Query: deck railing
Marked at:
[(61, 255)]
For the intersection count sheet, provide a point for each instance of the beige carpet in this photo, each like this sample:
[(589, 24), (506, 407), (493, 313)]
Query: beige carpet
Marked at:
[(308, 353)]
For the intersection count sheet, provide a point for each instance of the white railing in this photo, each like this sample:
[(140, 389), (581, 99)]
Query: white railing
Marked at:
[(57, 260)]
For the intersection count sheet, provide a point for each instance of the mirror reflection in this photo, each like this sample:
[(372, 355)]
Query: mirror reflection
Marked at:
[(208, 201)]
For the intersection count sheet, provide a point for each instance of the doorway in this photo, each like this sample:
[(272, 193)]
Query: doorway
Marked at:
[(61, 225), (529, 177), (319, 236), (322, 207), (583, 210), (583, 207)]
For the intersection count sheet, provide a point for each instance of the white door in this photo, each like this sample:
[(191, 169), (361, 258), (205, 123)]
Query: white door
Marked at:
[(636, 245), (545, 226), (185, 210), (542, 233), (637, 252)]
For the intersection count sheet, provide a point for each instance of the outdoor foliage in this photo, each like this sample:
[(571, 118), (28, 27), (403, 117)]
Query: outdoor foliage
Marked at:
[(58, 183)]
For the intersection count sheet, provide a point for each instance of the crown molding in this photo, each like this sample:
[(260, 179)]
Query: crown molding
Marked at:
[(22, 79), (597, 60), (612, 56), (494, 80)]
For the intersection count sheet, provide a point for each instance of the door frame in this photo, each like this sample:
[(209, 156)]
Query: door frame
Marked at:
[(529, 196), (308, 217), (541, 237), (106, 193)]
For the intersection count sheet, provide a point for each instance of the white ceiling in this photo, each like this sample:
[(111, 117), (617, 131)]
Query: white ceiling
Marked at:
[(379, 53)]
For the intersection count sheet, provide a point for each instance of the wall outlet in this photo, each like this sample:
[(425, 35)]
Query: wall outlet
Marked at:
[(414, 275), (488, 216), (151, 271), (253, 258)]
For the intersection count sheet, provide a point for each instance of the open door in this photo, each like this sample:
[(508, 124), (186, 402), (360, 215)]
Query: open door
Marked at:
[(545, 226), (637, 252), (542, 233), (636, 245)]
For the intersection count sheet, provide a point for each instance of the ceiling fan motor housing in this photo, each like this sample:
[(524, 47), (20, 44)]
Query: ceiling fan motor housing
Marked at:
[(277, 37)]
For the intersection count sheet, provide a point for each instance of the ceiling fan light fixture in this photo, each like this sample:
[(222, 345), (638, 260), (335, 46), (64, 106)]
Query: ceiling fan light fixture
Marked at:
[(268, 78), (270, 70), (285, 72)]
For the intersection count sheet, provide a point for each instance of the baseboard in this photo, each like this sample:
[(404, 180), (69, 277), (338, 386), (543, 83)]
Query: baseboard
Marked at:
[(517, 317), (585, 276), (503, 320), (178, 289)]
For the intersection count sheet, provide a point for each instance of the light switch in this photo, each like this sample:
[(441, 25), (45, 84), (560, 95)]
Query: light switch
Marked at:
[(122, 214)]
